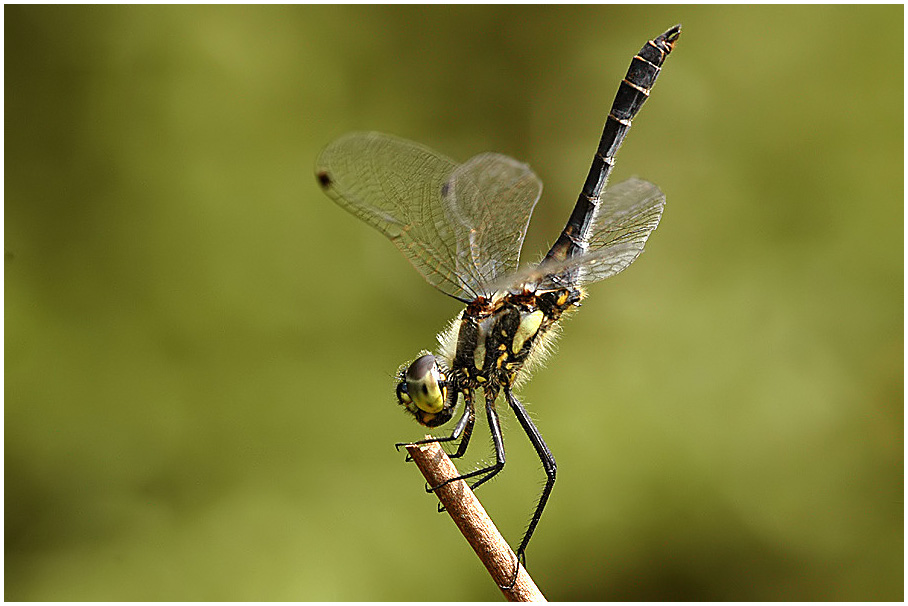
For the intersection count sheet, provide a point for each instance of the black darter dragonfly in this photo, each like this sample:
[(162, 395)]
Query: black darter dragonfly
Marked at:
[(462, 227)]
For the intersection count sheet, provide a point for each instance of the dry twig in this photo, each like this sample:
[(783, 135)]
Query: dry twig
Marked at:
[(474, 523)]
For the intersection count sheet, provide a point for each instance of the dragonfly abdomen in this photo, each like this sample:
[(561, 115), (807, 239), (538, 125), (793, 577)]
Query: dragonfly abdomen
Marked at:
[(632, 94)]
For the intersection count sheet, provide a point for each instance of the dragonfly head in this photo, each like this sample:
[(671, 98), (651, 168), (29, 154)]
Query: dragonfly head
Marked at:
[(422, 389)]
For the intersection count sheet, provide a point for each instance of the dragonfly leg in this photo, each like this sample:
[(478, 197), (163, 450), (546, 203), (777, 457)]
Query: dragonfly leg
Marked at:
[(489, 472), (464, 442), (463, 428), (548, 464)]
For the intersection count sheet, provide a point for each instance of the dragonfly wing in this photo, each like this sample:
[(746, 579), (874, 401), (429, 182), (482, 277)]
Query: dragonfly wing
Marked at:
[(394, 185), (628, 213), (447, 219), (490, 198)]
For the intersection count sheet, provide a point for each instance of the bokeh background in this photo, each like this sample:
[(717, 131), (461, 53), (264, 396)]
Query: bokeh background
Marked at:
[(200, 346)]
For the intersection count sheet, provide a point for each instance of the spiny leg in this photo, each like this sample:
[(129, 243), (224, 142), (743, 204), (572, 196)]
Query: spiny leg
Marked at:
[(497, 439), (464, 427), (467, 430), (462, 447), (548, 464)]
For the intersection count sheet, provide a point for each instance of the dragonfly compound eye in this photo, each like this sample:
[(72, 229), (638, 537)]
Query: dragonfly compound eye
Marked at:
[(425, 385)]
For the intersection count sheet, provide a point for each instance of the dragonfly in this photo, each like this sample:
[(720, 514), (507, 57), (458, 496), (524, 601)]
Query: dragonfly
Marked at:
[(462, 226)]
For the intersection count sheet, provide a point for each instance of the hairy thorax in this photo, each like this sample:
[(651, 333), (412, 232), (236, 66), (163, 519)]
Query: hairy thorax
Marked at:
[(496, 342)]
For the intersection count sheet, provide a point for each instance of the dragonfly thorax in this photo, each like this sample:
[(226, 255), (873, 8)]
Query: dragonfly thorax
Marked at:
[(488, 345), (495, 340)]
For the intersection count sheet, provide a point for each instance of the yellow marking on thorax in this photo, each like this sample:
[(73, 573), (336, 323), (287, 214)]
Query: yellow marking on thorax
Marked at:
[(529, 325), (479, 352)]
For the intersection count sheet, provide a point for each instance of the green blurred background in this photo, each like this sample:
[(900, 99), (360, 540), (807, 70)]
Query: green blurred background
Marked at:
[(199, 344)]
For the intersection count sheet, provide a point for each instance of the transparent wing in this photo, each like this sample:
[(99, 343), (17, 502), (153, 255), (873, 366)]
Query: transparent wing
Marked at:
[(628, 214), (490, 199), (461, 226)]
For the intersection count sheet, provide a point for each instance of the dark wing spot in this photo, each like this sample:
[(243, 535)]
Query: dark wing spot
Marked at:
[(324, 179)]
